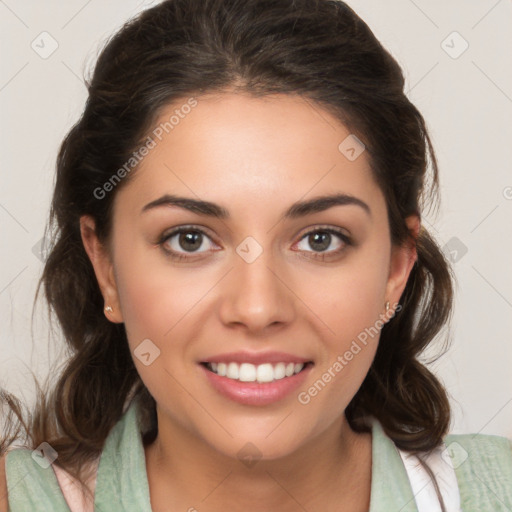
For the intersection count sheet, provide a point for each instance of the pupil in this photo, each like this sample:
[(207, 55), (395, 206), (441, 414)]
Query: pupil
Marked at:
[(190, 238), (323, 238)]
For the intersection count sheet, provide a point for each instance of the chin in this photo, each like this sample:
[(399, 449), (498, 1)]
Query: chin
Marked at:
[(265, 441)]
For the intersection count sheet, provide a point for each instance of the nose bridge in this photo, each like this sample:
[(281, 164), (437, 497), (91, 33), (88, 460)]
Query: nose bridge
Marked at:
[(256, 295)]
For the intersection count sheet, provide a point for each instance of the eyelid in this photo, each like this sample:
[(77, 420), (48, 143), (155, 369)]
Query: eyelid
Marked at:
[(185, 228), (324, 227)]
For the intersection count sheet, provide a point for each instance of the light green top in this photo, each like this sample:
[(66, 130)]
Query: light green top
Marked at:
[(485, 477)]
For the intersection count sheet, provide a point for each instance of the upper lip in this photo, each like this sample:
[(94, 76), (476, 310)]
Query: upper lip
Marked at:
[(256, 358)]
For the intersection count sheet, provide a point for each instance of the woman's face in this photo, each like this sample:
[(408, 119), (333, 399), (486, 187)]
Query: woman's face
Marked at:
[(270, 281)]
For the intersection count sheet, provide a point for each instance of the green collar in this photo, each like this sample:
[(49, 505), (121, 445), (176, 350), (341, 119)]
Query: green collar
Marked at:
[(122, 477)]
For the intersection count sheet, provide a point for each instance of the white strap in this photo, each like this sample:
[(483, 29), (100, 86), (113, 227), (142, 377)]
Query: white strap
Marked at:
[(72, 490), (422, 486)]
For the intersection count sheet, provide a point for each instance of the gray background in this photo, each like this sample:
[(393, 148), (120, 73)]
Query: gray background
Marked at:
[(465, 97)]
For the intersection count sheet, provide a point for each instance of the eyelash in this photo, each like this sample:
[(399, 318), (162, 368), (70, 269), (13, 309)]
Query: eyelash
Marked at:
[(193, 229)]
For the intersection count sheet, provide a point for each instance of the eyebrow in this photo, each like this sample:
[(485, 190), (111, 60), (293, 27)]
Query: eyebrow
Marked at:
[(296, 210)]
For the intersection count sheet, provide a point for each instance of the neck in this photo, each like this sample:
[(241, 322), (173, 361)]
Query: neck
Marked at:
[(184, 471)]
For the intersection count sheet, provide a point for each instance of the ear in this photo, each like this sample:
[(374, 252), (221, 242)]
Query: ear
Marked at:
[(103, 267), (402, 260)]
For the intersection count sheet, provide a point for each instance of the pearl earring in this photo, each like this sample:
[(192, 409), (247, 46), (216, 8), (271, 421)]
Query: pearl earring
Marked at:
[(109, 309)]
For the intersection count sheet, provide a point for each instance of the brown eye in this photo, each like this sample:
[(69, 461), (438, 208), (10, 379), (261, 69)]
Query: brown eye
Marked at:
[(185, 240), (190, 241), (320, 240)]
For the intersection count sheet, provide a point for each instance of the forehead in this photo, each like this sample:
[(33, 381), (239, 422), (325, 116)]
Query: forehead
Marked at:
[(238, 149)]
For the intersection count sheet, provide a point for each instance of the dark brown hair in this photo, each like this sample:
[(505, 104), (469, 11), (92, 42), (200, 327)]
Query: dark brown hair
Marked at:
[(318, 49)]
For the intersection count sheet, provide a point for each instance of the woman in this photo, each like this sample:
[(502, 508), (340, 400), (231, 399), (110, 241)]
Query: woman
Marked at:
[(240, 270)]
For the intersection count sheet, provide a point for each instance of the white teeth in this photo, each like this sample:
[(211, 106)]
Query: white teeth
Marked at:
[(279, 371), (265, 373), (221, 369), (247, 372), (233, 371)]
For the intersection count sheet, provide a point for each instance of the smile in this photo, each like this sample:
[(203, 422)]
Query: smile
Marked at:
[(248, 372), (255, 384)]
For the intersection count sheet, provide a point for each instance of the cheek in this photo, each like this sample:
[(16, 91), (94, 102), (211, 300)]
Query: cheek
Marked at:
[(349, 302), (153, 296), (348, 353), (156, 304), (349, 298)]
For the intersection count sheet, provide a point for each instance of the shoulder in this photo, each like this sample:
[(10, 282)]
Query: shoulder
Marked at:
[(3, 485), (30, 482), (481, 448), (483, 465)]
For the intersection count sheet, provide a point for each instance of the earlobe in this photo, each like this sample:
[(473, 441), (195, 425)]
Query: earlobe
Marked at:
[(103, 268), (402, 261)]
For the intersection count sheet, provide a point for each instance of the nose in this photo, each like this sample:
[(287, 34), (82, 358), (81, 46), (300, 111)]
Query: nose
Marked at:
[(257, 296)]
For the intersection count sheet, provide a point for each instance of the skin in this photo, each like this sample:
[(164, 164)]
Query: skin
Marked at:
[(254, 157)]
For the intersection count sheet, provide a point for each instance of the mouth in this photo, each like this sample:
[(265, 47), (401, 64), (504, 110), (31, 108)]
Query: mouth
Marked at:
[(256, 373), (257, 383)]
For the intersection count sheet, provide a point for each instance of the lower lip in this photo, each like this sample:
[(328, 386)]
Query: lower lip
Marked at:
[(256, 393)]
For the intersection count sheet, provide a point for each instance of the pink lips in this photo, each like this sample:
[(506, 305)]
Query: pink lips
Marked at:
[(256, 393)]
